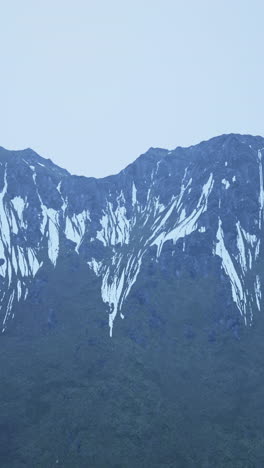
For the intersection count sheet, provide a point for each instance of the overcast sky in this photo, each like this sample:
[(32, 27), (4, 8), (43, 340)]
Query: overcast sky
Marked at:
[(93, 84)]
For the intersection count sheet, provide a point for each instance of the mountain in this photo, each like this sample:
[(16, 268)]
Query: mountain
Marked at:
[(153, 279), (202, 205)]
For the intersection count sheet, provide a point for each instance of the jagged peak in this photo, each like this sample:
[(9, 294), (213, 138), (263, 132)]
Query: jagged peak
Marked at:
[(31, 157)]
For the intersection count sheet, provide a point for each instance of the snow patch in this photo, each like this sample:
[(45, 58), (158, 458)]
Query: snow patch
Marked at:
[(226, 183)]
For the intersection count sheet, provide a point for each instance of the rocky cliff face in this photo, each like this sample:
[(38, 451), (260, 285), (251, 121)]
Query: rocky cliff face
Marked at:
[(200, 207)]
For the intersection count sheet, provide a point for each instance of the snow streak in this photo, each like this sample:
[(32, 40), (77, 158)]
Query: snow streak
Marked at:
[(163, 224)]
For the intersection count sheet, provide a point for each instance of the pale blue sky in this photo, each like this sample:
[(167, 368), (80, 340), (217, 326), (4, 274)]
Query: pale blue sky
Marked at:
[(93, 84)]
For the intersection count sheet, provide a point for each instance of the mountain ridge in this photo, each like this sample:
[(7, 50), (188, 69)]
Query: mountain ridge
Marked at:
[(113, 222), (225, 136)]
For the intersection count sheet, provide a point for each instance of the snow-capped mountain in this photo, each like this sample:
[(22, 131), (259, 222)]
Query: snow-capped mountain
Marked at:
[(201, 207)]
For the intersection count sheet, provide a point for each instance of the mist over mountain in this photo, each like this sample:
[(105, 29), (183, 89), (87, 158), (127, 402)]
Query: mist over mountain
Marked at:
[(131, 309)]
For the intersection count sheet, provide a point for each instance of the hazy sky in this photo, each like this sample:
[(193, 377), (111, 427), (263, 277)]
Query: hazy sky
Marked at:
[(93, 84)]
